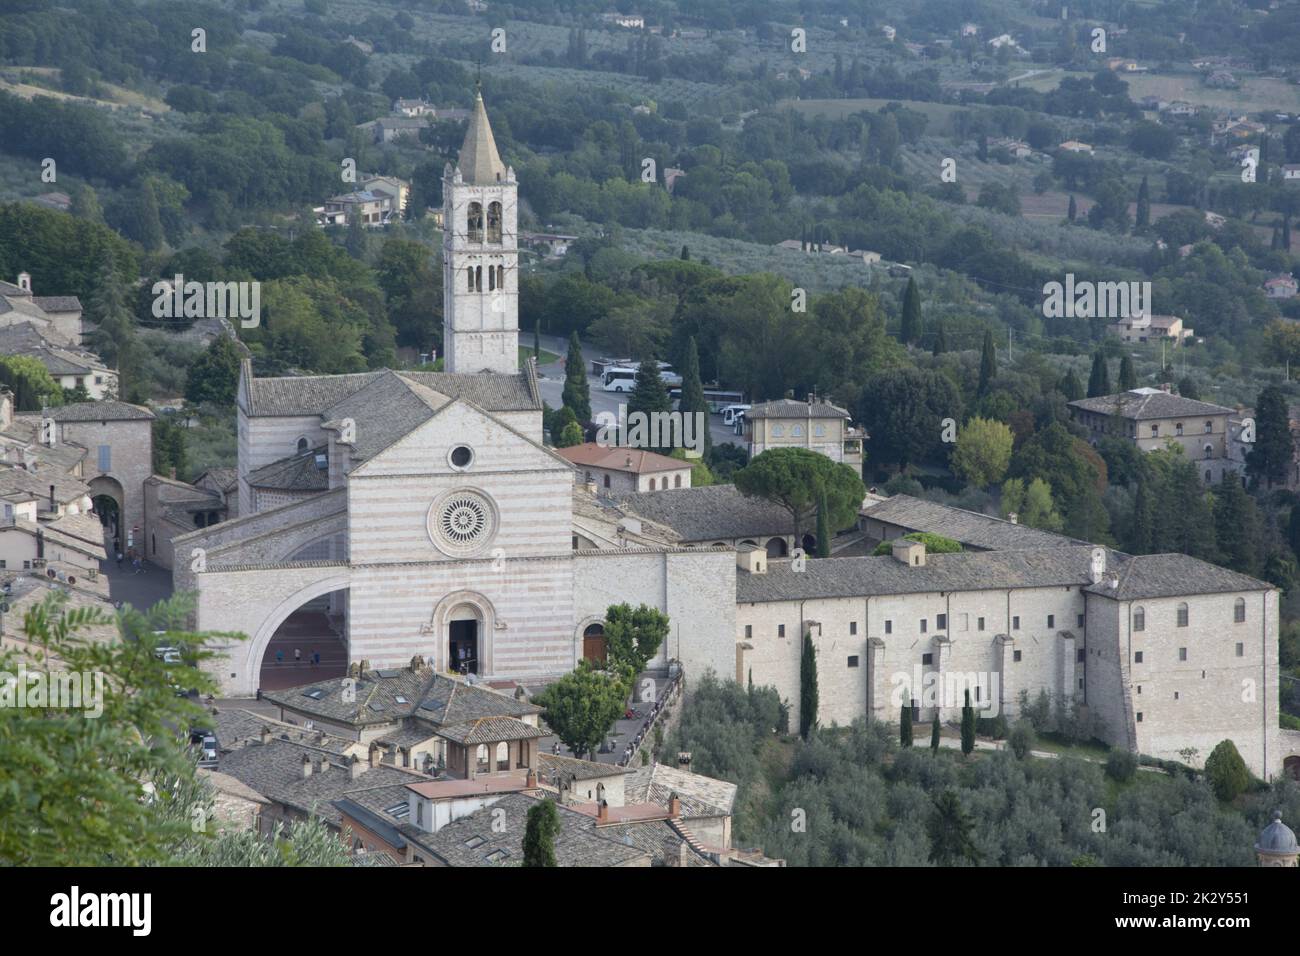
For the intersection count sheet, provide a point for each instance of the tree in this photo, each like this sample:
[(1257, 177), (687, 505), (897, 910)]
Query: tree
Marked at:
[(823, 529), (1269, 459), (1142, 220), (30, 382), (214, 376), (1237, 526), (1127, 376), (1032, 504), (1142, 528), (1021, 738), (114, 336), (934, 544), (540, 832), (934, 733), (905, 724), (1187, 388), (1072, 212), (169, 447), (60, 756), (582, 706), (903, 410), (949, 829), (577, 393), (693, 401), (634, 636), (967, 726), (1070, 386), (537, 340), (1226, 771), (807, 687), (983, 451), (940, 340), (988, 364), (910, 328), (649, 395), (1293, 529), (1099, 377), (796, 478)]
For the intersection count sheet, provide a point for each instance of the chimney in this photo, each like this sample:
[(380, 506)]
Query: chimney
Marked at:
[(306, 766), (591, 486), (602, 812), (1013, 517), (265, 735), (683, 853), (674, 805), (171, 472), (1097, 571), (672, 851), (52, 498), (909, 552), (25, 281), (376, 755), (530, 779), (356, 767)]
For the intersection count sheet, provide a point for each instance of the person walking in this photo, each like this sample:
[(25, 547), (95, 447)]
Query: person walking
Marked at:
[(119, 560), (297, 655)]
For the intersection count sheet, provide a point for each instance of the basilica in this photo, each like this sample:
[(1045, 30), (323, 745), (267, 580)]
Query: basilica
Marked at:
[(421, 514)]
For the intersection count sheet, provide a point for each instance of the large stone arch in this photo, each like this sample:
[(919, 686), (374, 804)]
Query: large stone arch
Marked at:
[(446, 610), (252, 663), (106, 486)]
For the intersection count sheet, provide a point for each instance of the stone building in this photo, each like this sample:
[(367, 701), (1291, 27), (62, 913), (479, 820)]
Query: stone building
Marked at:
[(815, 425), (619, 471)]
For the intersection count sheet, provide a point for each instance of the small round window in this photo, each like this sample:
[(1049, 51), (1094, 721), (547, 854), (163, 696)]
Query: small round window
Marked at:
[(461, 456)]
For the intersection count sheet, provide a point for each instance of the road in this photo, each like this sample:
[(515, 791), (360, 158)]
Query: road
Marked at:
[(551, 385)]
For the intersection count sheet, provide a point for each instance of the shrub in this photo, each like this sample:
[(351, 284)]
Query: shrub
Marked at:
[(1121, 765), (1022, 738), (1227, 771)]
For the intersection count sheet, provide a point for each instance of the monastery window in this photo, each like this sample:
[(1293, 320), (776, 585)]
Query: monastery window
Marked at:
[(419, 813), (796, 431), (1080, 656), (1239, 611), (1178, 429), (461, 457), (1139, 619), (1139, 716), (607, 481), (302, 445), (979, 624), (1209, 452), (1015, 656), (1182, 615), (927, 658), (819, 431), (481, 755), (677, 481), (492, 278), (889, 627), (1015, 622), (924, 624), (501, 277), (105, 457), (853, 660), (469, 276), (652, 484), (1078, 620), (494, 222), (780, 630), (1137, 657), (749, 630), (941, 622), (478, 278), (1209, 427), (1155, 431), (474, 222), (1175, 695), (503, 756), (853, 627), (1051, 620), (1241, 649), (777, 431), (1182, 653)]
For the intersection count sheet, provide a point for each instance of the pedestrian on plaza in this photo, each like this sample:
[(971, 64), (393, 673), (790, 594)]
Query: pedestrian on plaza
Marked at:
[(297, 655), (119, 560), (279, 657)]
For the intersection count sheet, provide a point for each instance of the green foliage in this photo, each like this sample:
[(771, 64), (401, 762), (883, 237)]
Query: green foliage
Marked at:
[(823, 528), (934, 543), (582, 706), (634, 636), (967, 726), (577, 392), (935, 733), (1099, 377), (796, 479), (905, 725), (54, 758), (1121, 765), (910, 330), (1269, 460), (1226, 771), (169, 447), (1032, 504), (903, 411), (1022, 738), (214, 376), (988, 365), (808, 697), (30, 382), (983, 451), (692, 401), (539, 836), (949, 827)]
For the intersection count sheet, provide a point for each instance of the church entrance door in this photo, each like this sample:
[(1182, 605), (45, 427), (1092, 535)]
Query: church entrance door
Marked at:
[(594, 647), (463, 646)]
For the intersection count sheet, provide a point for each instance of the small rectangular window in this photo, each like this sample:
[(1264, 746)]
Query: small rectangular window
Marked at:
[(1080, 656), (927, 658), (1015, 656), (1241, 649), (1139, 717), (1015, 623), (105, 458), (853, 627), (1137, 657), (1182, 653), (1182, 615), (941, 622), (924, 625), (889, 627), (749, 630), (780, 630), (1079, 620), (1239, 613), (853, 661), (980, 624), (1051, 620)]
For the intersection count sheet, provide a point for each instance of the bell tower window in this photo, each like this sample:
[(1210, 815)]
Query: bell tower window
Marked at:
[(474, 222), (494, 222)]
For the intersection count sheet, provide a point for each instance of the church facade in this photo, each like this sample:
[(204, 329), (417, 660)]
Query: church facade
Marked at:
[(421, 514)]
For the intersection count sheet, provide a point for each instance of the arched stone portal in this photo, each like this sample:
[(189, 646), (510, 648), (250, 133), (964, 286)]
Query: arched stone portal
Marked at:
[(108, 498), (464, 623), (312, 621), (1291, 767)]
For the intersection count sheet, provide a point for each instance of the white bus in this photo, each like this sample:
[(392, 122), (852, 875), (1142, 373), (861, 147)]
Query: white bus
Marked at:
[(718, 399), (621, 378)]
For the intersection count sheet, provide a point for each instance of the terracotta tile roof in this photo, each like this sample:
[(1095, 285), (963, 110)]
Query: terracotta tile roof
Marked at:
[(635, 461)]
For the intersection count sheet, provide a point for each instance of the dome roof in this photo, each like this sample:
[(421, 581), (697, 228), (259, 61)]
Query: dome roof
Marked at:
[(1277, 837)]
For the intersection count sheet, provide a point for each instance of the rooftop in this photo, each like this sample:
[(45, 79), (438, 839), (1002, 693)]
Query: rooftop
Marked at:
[(479, 162), (711, 512), (1142, 404), (632, 460), (792, 408), (971, 529)]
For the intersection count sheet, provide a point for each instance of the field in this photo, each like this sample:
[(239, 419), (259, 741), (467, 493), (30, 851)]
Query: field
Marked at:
[(1257, 94), (939, 114), (11, 80)]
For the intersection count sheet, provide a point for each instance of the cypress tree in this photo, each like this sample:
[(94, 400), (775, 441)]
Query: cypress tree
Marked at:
[(1099, 377), (967, 726), (1236, 525), (934, 734), (823, 528), (686, 253), (1070, 386), (988, 363), (577, 393), (910, 330), (539, 834), (537, 340), (1127, 376), (649, 394), (1143, 217), (940, 340), (1286, 232), (1141, 534), (807, 687), (693, 400), (1073, 210), (1271, 456), (905, 725)]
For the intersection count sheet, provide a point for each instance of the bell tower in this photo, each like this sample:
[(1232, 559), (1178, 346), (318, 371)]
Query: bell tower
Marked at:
[(480, 255)]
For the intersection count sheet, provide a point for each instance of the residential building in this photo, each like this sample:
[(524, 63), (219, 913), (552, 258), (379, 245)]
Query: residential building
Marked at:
[(814, 424), (70, 366), (1151, 328), (57, 318), (620, 471), (1281, 287)]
